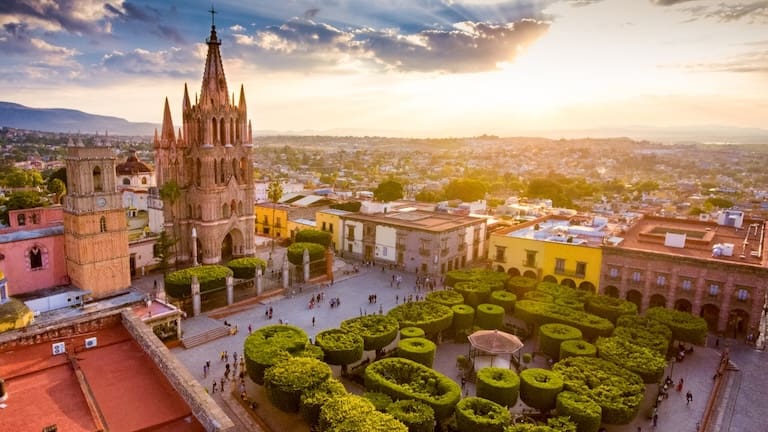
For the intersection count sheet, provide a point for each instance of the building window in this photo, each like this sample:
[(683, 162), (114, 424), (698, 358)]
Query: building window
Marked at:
[(500, 251), (530, 258), (330, 227), (351, 233), (687, 284), (103, 224), (265, 220), (143, 180), (714, 289), (323, 228), (661, 281), (613, 272), (383, 251), (742, 294), (97, 184), (21, 219), (349, 247), (636, 276), (126, 181), (35, 219), (35, 258), (559, 265), (581, 269)]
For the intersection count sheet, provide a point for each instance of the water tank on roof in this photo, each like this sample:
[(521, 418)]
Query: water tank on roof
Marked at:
[(727, 249)]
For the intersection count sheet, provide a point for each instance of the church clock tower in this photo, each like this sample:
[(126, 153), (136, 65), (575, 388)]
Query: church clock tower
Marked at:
[(95, 226)]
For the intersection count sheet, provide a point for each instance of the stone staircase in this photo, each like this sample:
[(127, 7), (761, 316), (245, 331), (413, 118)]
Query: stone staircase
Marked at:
[(207, 336)]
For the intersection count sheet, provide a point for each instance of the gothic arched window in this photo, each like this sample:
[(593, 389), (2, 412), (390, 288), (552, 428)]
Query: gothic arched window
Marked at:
[(214, 131), (103, 224), (97, 185), (198, 166), (21, 219), (223, 132), (35, 258)]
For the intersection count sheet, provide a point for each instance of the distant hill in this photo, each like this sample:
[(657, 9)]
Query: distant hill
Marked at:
[(68, 120)]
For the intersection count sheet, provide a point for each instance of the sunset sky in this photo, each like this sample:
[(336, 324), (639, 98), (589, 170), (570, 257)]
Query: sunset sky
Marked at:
[(401, 67)]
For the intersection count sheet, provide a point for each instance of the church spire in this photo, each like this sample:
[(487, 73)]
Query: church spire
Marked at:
[(241, 103), (167, 135), (185, 105), (214, 90)]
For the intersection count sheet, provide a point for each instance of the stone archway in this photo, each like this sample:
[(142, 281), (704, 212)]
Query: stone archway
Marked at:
[(530, 274), (683, 305), (568, 282), (635, 297), (711, 314), (657, 300), (612, 291), (549, 278), (588, 287), (513, 272), (738, 322), (500, 268), (232, 245)]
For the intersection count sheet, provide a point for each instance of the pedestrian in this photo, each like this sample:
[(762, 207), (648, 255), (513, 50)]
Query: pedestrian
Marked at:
[(205, 371), (313, 321), (463, 382), (688, 397), (213, 387), (222, 384), (679, 385), (655, 420), (250, 329), (234, 357)]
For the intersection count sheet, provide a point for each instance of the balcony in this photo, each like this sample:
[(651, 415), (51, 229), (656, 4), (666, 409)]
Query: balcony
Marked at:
[(570, 273)]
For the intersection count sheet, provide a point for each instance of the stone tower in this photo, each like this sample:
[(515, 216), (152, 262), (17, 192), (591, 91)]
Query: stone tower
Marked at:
[(95, 227), (208, 162)]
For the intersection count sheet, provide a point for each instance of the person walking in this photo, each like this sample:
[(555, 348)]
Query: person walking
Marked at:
[(679, 385), (688, 397), (213, 387)]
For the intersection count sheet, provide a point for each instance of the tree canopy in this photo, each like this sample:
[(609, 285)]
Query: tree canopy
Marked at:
[(388, 190), (466, 190)]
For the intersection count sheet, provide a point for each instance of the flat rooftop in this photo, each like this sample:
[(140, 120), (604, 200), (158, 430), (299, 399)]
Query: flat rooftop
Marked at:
[(418, 219), (559, 230)]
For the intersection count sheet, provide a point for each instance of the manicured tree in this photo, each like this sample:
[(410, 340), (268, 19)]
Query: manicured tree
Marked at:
[(312, 400), (474, 414), (419, 350), (371, 422), (645, 323), (343, 407), (466, 275), (618, 391), (504, 299), (539, 388), (430, 317), (270, 345), (416, 416), (489, 316), (538, 296), (287, 381), (314, 236), (379, 400), (411, 332), (554, 424), (538, 313), (340, 347), (447, 297), (377, 331), (561, 291), (520, 285), (610, 308), (499, 385), (577, 348), (474, 292), (646, 362), (245, 268), (685, 327), (463, 319), (573, 303), (552, 335), (585, 412), (644, 337), (178, 284)]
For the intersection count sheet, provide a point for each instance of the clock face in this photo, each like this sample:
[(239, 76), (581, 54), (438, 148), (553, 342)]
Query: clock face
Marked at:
[(101, 202)]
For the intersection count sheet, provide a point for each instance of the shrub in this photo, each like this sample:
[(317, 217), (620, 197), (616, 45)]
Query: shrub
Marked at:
[(539, 313), (610, 308), (498, 385), (647, 363), (467, 275), (618, 391), (505, 299), (340, 346), (489, 316), (295, 252), (411, 332), (463, 317), (285, 382), (539, 297), (419, 350), (377, 331), (573, 303), (416, 416), (474, 292), (179, 283), (245, 268), (430, 317), (558, 291), (14, 314), (554, 424), (268, 345), (643, 337), (552, 335), (577, 348), (379, 400), (343, 407), (527, 358), (371, 422), (405, 379), (539, 388), (685, 327), (474, 414), (312, 400), (582, 410), (314, 236), (447, 297), (645, 323), (521, 285)]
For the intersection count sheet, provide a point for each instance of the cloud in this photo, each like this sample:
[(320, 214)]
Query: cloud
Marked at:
[(174, 62), (15, 38), (145, 17), (668, 2), (73, 16), (464, 47), (751, 62), (237, 28), (754, 12)]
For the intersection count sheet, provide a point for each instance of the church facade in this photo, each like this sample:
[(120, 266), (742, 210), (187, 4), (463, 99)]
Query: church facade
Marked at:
[(205, 170)]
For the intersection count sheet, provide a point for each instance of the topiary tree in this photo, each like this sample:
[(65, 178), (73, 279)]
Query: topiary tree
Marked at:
[(538, 313), (582, 410), (552, 335), (312, 400), (647, 363), (463, 319), (373, 422), (245, 268), (489, 316), (520, 285), (377, 331), (539, 388), (610, 308), (416, 416), (295, 252), (340, 347), (474, 292), (505, 299), (288, 380), (430, 317), (643, 337), (411, 332), (314, 236), (272, 344), (178, 284), (379, 400), (417, 349), (573, 303), (538, 296), (577, 348), (554, 424), (558, 291), (468, 275), (447, 297), (498, 385), (343, 407), (474, 414), (685, 327)]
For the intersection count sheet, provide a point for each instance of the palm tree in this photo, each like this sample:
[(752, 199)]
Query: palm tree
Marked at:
[(274, 193)]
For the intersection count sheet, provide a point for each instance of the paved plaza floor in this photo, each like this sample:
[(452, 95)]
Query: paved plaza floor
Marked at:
[(744, 397)]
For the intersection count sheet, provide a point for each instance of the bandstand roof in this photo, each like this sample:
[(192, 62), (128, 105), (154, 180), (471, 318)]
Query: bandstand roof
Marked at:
[(495, 342)]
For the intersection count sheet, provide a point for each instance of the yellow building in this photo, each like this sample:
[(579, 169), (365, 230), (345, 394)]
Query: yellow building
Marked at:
[(329, 220), (552, 249), (271, 220)]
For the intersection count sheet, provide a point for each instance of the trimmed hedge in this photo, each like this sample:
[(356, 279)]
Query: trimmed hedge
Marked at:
[(474, 414), (430, 317), (447, 297), (314, 236), (312, 400), (538, 296), (463, 318), (377, 331), (489, 316), (178, 284), (295, 252), (582, 410), (498, 385), (287, 381), (539, 388), (416, 416), (371, 422), (272, 344), (521, 285), (504, 299), (467, 275), (685, 327), (340, 346), (379, 400), (646, 362), (539, 313), (552, 335), (245, 268), (618, 391), (411, 332), (554, 424), (405, 379), (645, 323), (561, 291), (573, 303), (643, 337), (577, 348), (474, 292), (418, 349), (344, 407), (610, 308)]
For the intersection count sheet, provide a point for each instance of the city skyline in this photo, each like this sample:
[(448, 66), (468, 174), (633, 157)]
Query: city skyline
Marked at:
[(423, 68)]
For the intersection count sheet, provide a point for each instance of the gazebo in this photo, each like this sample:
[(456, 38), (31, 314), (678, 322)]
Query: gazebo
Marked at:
[(494, 348)]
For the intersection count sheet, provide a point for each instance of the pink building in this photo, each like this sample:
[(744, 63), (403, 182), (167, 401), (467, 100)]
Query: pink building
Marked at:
[(32, 254)]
